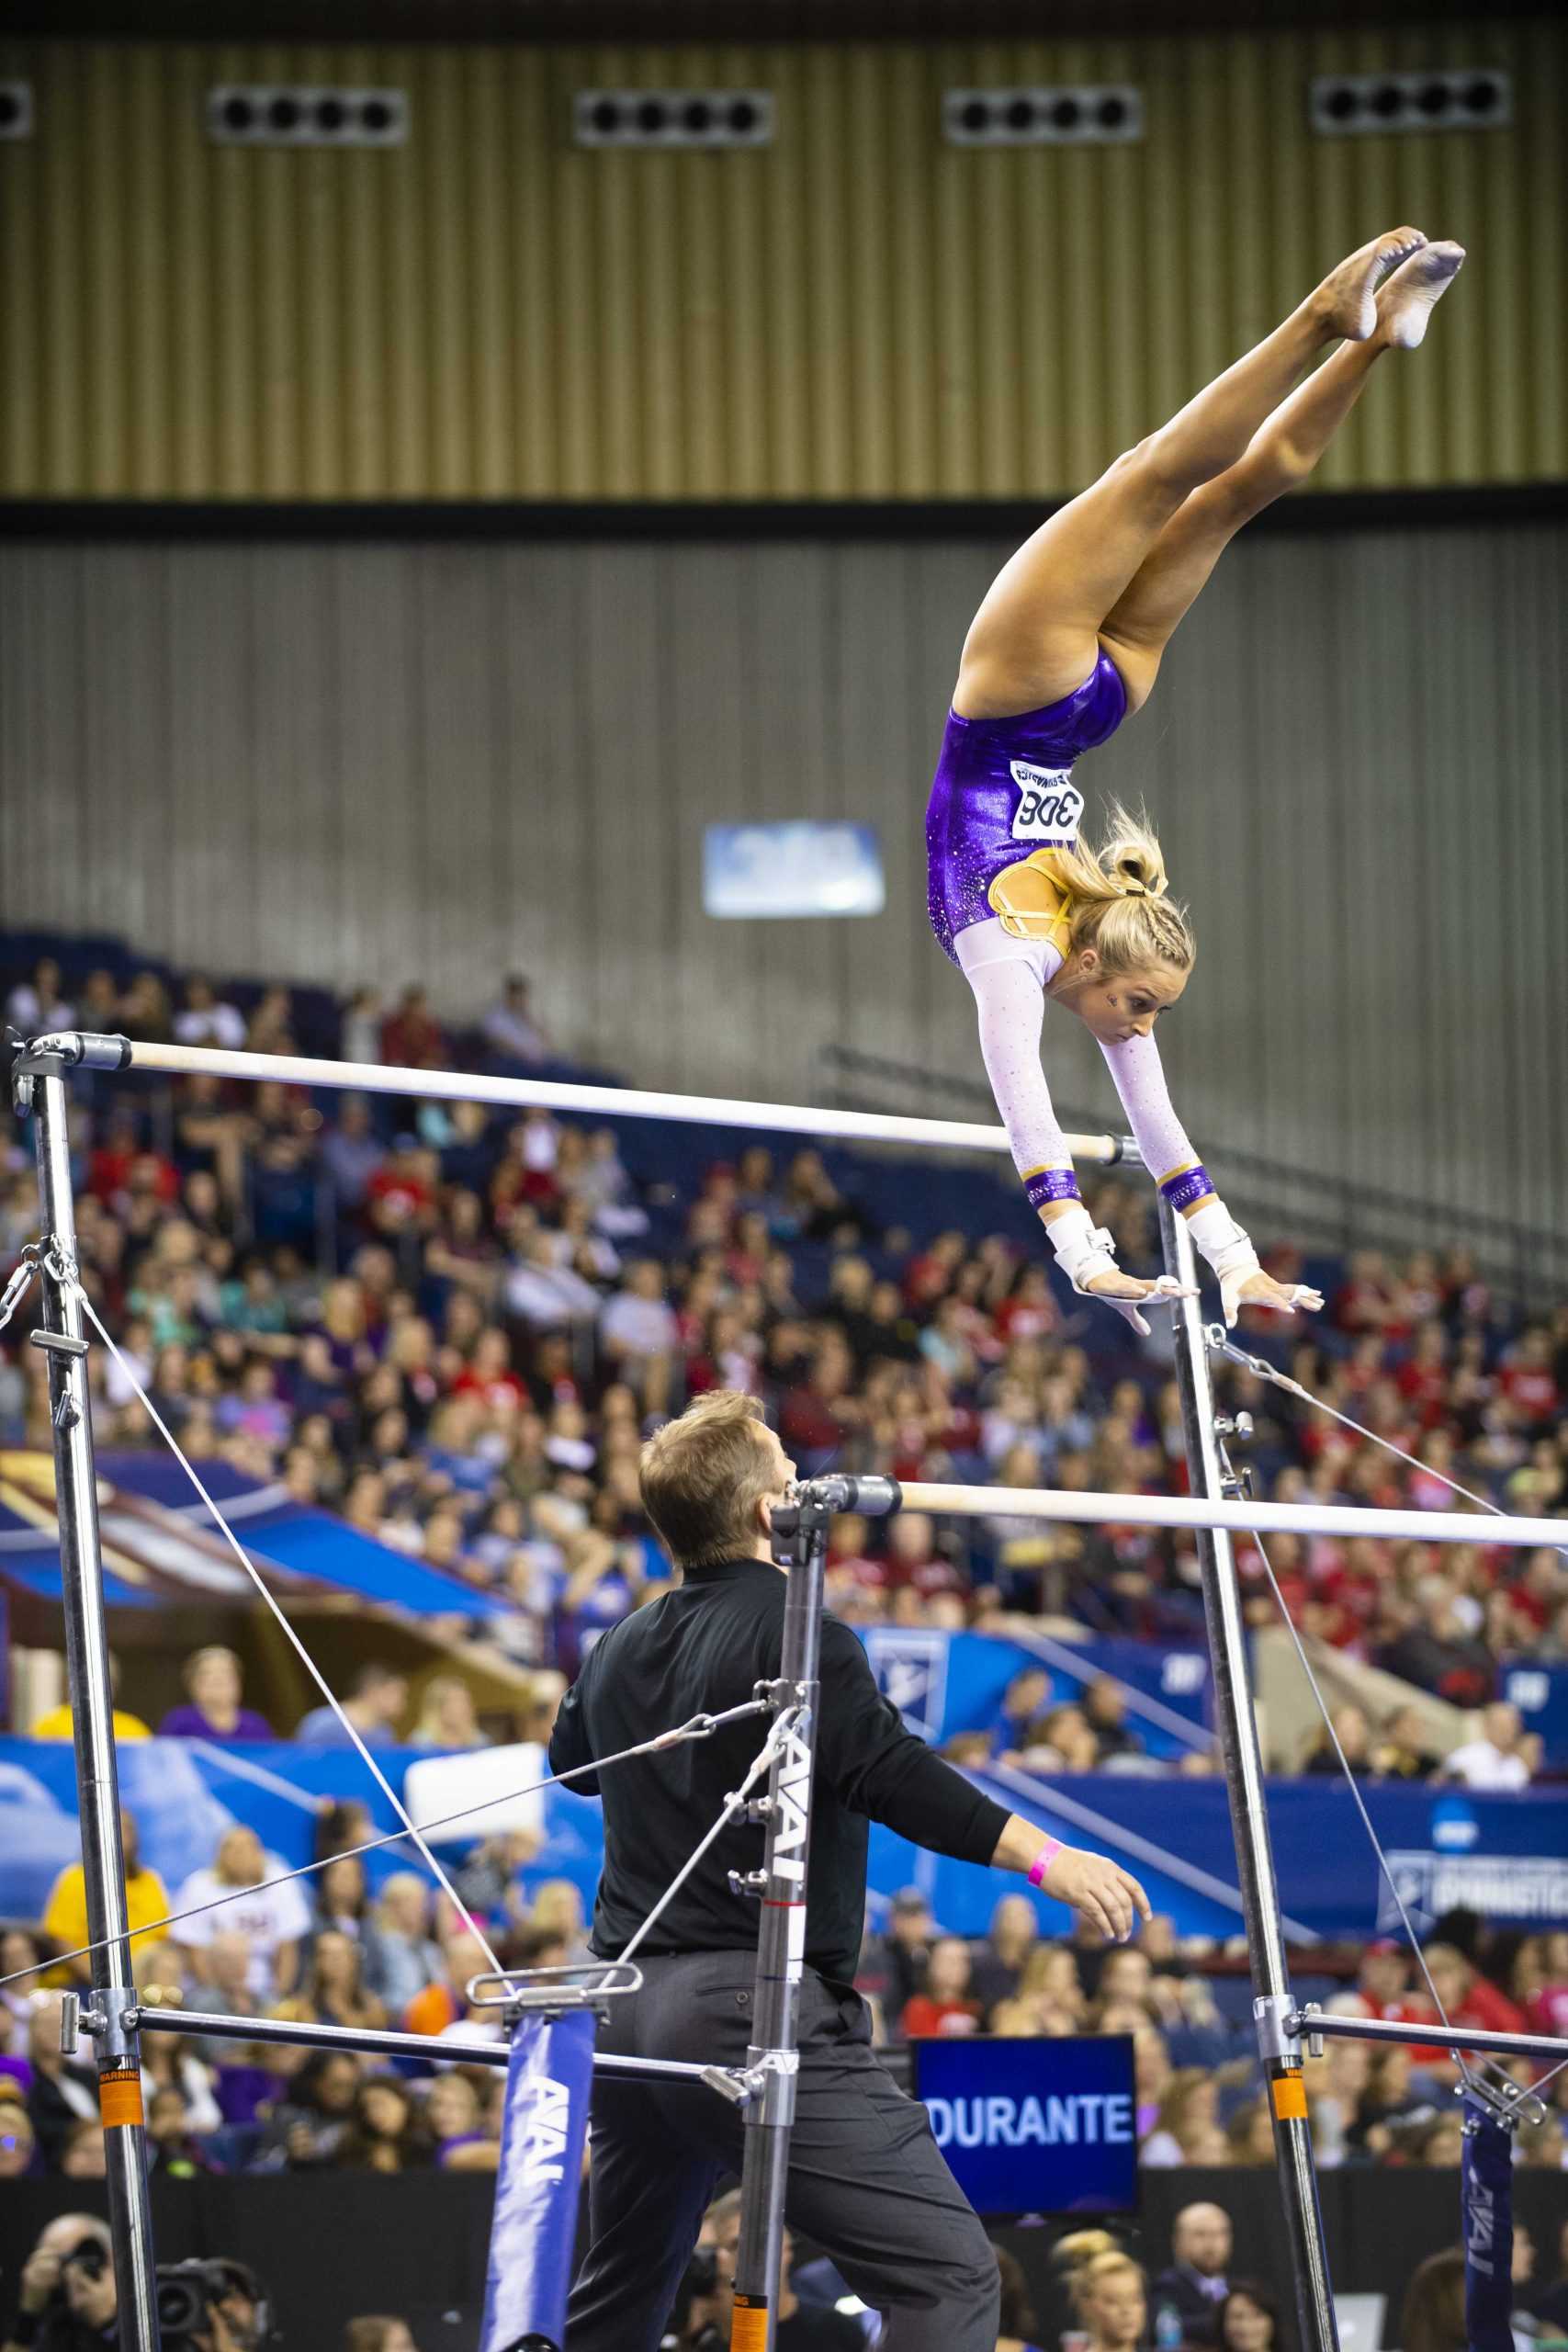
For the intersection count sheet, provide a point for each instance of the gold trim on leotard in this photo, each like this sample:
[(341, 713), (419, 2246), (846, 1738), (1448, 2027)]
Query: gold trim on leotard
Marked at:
[(1031, 903)]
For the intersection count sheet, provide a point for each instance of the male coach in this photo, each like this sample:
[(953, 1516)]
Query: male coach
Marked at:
[(866, 2179)]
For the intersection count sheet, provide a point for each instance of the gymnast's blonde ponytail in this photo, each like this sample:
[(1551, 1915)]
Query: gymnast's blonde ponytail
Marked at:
[(1118, 894)]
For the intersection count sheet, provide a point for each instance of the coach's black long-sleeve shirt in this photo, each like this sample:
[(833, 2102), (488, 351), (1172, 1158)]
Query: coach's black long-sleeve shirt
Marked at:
[(698, 1650)]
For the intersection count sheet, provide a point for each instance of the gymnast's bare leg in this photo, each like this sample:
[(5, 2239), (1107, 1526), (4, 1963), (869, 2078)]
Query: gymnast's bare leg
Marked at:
[(1277, 458), (1036, 634)]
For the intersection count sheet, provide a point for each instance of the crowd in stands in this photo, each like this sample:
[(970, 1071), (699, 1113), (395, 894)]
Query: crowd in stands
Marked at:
[(340, 1949), (454, 1326)]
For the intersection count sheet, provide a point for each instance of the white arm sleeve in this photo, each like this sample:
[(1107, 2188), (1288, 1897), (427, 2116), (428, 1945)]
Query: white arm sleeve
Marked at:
[(1012, 1006), (1139, 1077), (1168, 1155)]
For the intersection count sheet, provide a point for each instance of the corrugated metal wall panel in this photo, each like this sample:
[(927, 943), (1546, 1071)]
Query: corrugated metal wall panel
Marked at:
[(375, 763), (859, 310)]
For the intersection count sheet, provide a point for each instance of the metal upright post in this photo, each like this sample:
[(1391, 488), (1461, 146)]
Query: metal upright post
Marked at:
[(800, 1535), (92, 1719), (1273, 2003)]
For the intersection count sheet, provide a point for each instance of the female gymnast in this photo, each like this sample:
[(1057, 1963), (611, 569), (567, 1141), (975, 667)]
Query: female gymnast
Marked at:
[(1066, 644)]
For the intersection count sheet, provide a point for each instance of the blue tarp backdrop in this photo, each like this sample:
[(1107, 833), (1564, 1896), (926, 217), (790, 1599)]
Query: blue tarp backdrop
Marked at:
[(1505, 1856), (943, 1683)]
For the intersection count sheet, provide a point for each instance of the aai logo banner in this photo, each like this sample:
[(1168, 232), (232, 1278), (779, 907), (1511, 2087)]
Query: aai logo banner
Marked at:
[(1034, 2125)]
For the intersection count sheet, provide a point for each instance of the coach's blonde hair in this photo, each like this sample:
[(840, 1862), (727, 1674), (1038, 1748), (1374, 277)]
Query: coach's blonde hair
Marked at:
[(1119, 898), (703, 1476)]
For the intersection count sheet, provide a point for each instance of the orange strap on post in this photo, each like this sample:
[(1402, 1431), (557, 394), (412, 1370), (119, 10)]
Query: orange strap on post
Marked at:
[(119, 2097), (748, 2324), (1289, 2097)]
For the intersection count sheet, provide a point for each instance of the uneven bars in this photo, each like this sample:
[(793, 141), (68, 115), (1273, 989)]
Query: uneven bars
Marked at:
[(75, 1049), (1273, 1519)]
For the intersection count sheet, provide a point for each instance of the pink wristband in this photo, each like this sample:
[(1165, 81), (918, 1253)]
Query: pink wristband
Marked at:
[(1042, 1861)]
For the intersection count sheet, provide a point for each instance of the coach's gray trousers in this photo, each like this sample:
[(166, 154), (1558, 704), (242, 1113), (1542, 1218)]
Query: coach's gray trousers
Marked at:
[(867, 2182)]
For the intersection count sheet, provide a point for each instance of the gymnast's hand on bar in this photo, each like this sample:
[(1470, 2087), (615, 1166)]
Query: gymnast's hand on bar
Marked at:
[(1259, 1289), (1109, 1897), (1124, 1291)]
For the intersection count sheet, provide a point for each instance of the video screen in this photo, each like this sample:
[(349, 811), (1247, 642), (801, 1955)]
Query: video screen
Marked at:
[(1040, 2125)]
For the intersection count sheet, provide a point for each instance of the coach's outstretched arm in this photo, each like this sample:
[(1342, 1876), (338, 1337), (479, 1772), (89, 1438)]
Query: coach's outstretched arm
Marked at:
[(881, 1770)]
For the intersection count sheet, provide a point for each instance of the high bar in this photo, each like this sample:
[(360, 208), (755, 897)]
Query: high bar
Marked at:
[(75, 1049), (1199, 1511)]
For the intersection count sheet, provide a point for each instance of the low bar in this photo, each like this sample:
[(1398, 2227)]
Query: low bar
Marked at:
[(1198, 1511), (76, 1049), (385, 2044), (1429, 2035)]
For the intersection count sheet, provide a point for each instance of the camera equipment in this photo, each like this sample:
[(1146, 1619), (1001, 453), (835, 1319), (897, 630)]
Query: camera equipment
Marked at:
[(188, 2293), (91, 2258)]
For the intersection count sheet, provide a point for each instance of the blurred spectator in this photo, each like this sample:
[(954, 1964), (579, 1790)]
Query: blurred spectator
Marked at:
[(377, 2335), (401, 1957), (205, 1019), (1104, 1708), (1433, 2319), (170, 2064), (270, 1912), (511, 1029), (466, 2130), (173, 2149), (999, 1962), (374, 1704), (65, 1913), (1111, 2302), (487, 1884), (19, 2146), (1493, 1760), (387, 2132), (62, 2092), (412, 1037), (83, 2155), (1438, 1655), (1249, 2135), (37, 1005), (212, 1680), (311, 2125), (945, 2003), (446, 1716), (1355, 1743), (1187, 2116), (56, 1723), (906, 1949), (67, 2300), (1016, 2323), (1250, 2320), (334, 1990), (1196, 2285)]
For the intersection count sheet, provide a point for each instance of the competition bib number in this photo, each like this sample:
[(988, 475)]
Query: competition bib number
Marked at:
[(1049, 803)]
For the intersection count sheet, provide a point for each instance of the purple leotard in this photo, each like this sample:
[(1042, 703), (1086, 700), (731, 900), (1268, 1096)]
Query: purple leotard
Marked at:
[(1002, 789)]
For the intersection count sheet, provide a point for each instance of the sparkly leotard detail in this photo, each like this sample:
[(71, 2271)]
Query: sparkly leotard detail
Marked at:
[(1003, 790)]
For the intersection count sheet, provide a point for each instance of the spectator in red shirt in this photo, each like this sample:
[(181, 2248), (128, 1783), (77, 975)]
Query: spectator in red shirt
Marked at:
[(412, 1037), (913, 1558), (401, 1194), (1468, 1998), (944, 2004), (1423, 1378), (1530, 1384)]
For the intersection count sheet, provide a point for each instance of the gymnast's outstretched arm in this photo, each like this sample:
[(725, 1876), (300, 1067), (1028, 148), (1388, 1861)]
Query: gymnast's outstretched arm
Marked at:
[(1139, 1075), (1011, 1002)]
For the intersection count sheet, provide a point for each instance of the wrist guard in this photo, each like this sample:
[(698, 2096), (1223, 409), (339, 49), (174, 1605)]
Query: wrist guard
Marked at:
[(1083, 1248), (1227, 1244)]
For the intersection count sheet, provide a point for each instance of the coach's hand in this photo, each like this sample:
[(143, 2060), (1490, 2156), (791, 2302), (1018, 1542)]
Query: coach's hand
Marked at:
[(1109, 1897)]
